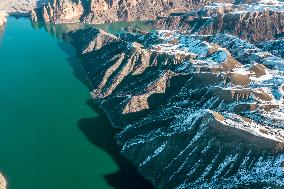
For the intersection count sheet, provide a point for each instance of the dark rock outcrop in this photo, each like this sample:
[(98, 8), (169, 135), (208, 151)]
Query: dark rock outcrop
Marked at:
[(275, 47), (194, 111)]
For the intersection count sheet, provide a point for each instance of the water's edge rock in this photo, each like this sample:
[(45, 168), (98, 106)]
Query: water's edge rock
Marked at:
[(3, 20), (3, 183)]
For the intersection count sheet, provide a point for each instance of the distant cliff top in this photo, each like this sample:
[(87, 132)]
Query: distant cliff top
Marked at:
[(104, 11), (17, 7)]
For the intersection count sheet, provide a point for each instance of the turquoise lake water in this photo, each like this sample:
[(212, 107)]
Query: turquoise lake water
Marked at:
[(51, 135)]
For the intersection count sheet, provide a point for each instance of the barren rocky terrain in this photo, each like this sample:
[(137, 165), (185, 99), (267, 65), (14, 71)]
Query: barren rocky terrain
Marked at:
[(101, 11), (19, 7), (256, 21), (198, 103), (195, 111)]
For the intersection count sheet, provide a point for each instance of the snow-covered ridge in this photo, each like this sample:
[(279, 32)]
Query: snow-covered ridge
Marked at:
[(273, 5), (255, 22), (255, 76), (175, 43), (195, 111)]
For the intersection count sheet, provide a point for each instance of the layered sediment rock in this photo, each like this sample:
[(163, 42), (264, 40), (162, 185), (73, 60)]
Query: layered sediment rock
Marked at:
[(101, 11), (194, 111), (255, 22), (3, 183), (59, 11)]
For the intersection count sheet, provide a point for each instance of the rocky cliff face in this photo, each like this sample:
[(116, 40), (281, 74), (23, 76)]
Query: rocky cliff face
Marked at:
[(3, 20), (256, 22), (193, 111), (3, 183), (58, 11), (101, 11)]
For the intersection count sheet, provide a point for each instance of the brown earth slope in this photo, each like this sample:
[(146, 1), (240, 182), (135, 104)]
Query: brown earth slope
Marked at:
[(101, 11)]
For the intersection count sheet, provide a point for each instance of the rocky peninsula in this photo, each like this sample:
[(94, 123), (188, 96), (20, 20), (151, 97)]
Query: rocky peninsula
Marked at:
[(194, 111)]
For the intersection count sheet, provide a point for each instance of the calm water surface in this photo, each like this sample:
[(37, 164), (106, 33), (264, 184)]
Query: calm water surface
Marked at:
[(44, 114)]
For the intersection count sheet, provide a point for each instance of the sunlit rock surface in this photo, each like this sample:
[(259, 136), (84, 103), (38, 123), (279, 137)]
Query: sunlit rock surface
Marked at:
[(256, 21), (101, 11), (3, 20), (3, 183), (19, 7), (194, 111), (59, 11)]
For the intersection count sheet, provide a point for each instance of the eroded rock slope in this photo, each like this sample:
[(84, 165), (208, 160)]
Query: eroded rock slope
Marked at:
[(258, 21), (19, 7), (101, 11), (194, 111)]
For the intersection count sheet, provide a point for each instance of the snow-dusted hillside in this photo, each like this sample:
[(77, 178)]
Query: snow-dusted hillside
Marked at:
[(195, 111), (255, 22)]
